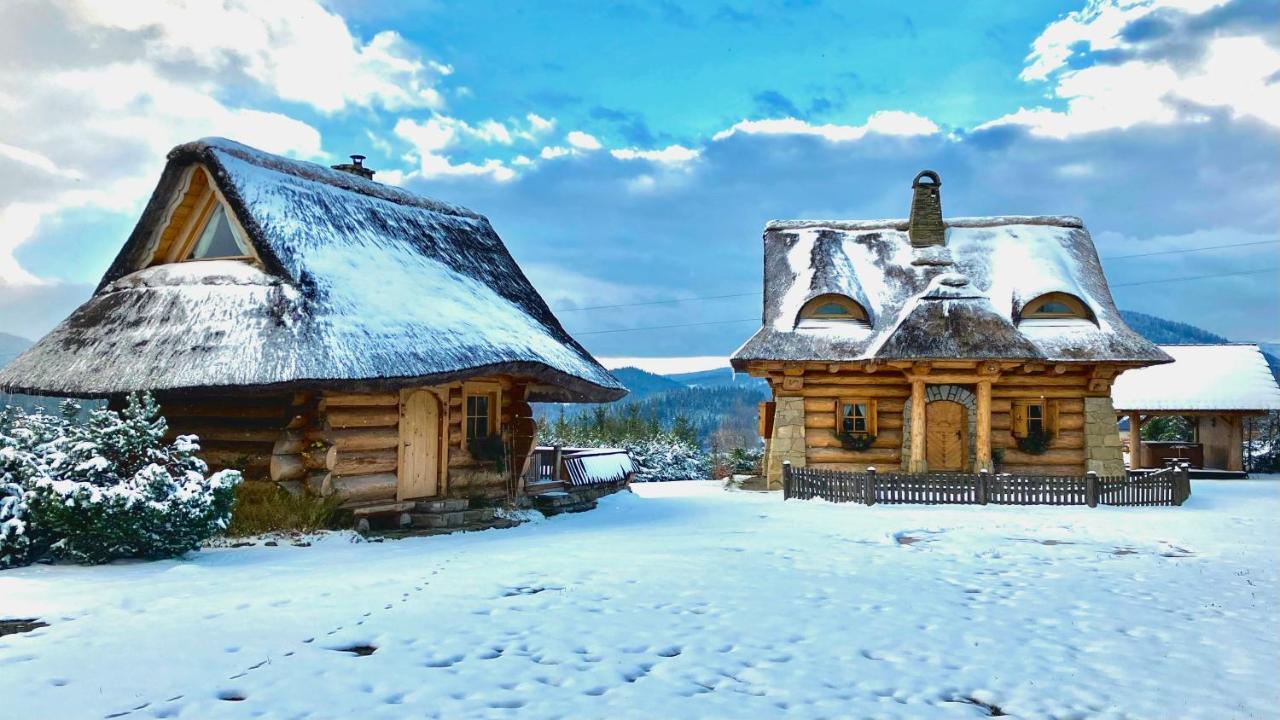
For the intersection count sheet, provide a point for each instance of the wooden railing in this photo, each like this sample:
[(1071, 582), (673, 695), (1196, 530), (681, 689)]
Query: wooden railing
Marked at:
[(1170, 486), (578, 466)]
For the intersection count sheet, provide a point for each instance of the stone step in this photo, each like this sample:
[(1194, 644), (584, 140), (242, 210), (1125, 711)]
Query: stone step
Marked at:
[(441, 506), (454, 519), (421, 532)]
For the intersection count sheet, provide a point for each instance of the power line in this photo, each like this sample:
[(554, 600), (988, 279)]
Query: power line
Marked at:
[(1188, 250), (727, 322), (667, 327), (1109, 257), (1194, 277)]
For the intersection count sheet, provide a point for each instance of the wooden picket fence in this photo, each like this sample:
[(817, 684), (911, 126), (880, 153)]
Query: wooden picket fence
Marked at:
[(1170, 486)]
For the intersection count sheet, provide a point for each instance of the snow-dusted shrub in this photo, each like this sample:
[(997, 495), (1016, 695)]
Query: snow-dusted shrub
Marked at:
[(664, 457), (111, 487), (17, 466), (15, 541)]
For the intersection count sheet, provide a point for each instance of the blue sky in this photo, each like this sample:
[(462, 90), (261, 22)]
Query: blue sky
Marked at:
[(632, 152)]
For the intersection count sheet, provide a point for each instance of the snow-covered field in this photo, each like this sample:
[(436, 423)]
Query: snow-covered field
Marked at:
[(685, 600)]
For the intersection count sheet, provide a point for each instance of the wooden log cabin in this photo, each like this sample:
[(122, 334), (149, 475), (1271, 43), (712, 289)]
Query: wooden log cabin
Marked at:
[(932, 345), (321, 330)]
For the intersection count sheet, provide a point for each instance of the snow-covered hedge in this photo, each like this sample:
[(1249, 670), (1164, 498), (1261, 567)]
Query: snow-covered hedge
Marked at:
[(107, 488)]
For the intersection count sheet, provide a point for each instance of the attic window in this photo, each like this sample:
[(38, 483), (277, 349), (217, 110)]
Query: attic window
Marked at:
[(1056, 306), (218, 239), (833, 307), (198, 225)]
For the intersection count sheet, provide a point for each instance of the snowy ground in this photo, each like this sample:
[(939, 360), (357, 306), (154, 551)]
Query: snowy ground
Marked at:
[(685, 601)]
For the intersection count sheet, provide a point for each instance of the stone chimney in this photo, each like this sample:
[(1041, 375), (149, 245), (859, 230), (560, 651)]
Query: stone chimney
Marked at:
[(356, 167), (926, 226)]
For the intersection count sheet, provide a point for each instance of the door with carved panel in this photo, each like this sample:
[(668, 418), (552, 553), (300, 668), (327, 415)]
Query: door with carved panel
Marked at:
[(946, 436)]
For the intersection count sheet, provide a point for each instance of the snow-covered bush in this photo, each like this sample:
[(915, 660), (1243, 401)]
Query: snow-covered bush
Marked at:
[(111, 487), (15, 542)]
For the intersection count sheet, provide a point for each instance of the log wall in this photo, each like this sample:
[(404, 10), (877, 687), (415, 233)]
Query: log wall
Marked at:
[(237, 431), (346, 443), (821, 389)]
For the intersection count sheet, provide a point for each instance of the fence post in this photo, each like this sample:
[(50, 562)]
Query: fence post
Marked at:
[(1091, 489), (982, 486), (869, 487), (1182, 481), (557, 460), (786, 479)]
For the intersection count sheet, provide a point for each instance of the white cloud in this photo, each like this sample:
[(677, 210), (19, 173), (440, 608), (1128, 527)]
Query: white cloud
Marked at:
[(884, 122), (439, 133), (539, 124), (296, 48), (582, 141), (553, 151), (1233, 73), (670, 155), (1098, 26)]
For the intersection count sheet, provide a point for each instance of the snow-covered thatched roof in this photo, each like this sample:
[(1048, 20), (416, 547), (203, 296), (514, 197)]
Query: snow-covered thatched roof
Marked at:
[(1201, 377), (359, 283), (962, 299)]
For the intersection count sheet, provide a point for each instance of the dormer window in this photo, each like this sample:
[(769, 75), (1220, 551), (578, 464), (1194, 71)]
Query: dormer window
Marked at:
[(834, 307), (1056, 306), (199, 225)]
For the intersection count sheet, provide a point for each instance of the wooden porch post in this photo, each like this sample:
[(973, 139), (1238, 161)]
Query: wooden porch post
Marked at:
[(983, 450), (916, 464), (1135, 441)]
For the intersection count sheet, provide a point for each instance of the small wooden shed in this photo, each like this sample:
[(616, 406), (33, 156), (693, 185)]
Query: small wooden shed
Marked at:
[(1216, 387), (322, 330)]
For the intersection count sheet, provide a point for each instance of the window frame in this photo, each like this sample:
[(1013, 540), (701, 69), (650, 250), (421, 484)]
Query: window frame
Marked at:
[(854, 310), (869, 417), (1077, 309), (1020, 416), (493, 393)]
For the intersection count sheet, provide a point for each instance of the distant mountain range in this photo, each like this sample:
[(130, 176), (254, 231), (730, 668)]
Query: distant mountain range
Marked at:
[(701, 393), (11, 346)]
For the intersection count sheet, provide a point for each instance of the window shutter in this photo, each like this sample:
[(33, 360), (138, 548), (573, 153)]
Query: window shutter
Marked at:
[(872, 424), (1019, 420), (1051, 416), (766, 419)]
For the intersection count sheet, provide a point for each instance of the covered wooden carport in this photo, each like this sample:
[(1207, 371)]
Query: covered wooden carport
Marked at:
[(1216, 387)]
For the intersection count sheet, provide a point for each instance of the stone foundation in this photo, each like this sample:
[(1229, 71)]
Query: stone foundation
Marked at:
[(787, 443), (1102, 446)]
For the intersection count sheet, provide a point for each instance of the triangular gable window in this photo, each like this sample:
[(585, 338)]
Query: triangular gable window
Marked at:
[(218, 239)]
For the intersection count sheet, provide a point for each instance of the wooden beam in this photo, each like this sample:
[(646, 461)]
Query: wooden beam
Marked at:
[(983, 449), (917, 427)]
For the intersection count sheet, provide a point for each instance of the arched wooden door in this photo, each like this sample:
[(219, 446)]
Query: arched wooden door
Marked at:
[(419, 475), (946, 436)]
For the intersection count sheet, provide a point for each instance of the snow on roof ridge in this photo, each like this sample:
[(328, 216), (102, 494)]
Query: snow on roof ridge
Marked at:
[(316, 172), (1067, 221)]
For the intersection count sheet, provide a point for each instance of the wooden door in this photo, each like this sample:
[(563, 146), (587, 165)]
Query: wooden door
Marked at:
[(946, 436), (419, 475)]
